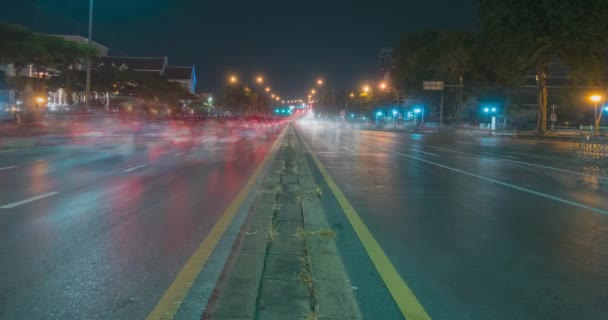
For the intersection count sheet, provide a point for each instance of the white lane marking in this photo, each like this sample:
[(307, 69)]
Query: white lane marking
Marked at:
[(429, 153), (9, 167), (531, 164), (180, 154), (28, 200), (502, 183), (135, 168), (347, 149)]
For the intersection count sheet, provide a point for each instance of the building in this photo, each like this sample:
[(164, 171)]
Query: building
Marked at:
[(186, 76), (154, 65), (386, 61)]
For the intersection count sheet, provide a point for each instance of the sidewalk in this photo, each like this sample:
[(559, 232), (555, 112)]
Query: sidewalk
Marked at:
[(286, 265)]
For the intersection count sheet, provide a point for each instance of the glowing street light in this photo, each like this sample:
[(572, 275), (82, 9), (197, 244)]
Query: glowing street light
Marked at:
[(40, 100), (272, 95), (366, 89), (382, 86), (313, 91), (233, 79), (320, 81), (259, 80), (277, 98), (352, 95), (267, 89), (596, 99)]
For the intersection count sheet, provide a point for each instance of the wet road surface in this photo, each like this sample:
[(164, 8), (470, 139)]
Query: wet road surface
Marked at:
[(98, 227), (479, 228)]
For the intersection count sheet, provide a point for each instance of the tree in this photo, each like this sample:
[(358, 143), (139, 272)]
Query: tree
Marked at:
[(522, 35), (437, 55), (21, 47)]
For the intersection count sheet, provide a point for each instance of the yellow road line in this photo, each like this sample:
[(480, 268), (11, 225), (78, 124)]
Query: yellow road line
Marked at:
[(402, 294), (168, 305)]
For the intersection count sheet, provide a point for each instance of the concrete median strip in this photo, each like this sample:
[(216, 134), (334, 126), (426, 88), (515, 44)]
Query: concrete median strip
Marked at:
[(286, 265)]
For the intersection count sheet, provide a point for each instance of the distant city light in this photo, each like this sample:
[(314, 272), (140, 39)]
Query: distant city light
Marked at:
[(417, 110), (379, 113), (606, 108), (486, 109), (394, 112), (493, 109)]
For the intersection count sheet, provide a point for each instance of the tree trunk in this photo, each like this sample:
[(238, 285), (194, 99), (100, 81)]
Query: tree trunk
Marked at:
[(541, 75)]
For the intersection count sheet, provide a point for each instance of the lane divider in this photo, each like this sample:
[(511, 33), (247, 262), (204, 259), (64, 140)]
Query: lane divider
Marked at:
[(28, 200), (405, 299), (169, 304), (502, 183), (136, 167), (527, 164), (429, 153), (8, 168)]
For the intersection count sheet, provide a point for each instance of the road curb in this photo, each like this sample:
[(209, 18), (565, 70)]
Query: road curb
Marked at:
[(287, 266)]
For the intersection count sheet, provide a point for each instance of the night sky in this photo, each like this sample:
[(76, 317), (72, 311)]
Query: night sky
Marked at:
[(290, 43)]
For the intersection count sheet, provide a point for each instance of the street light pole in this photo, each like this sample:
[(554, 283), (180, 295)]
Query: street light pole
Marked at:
[(87, 91)]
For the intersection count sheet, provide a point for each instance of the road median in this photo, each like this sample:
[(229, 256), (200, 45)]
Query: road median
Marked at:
[(286, 265)]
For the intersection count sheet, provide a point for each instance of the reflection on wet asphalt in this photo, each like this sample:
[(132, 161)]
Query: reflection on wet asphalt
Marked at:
[(479, 228), (99, 226)]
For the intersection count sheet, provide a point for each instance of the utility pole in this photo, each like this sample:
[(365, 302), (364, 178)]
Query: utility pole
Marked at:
[(441, 108), (87, 91)]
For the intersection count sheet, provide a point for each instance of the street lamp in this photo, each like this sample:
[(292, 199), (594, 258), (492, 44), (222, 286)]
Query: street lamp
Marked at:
[(366, 89), (320, 81), (313, 91), (272, 95), (233, 79), (596, 98), (40, 100), (267, 89), (352, 95), (259, 79), (382, 86)]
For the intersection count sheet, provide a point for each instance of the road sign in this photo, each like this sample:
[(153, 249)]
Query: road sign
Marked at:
[(432, 85)]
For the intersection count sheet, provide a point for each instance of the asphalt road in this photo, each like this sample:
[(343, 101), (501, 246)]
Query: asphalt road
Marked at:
[(479, 228), (99, 226)]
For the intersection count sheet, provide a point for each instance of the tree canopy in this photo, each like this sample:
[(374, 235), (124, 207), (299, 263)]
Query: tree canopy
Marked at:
[(433, 55), (520, 36), (21, 46)]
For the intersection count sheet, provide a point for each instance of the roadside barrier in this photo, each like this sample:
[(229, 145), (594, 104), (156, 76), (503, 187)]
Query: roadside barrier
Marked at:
[(591, 149)]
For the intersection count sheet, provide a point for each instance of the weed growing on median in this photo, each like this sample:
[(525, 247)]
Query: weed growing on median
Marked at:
[(305, 275), (301, 233), (326, 233), (273, 233), (277, 206), (312, 314)]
